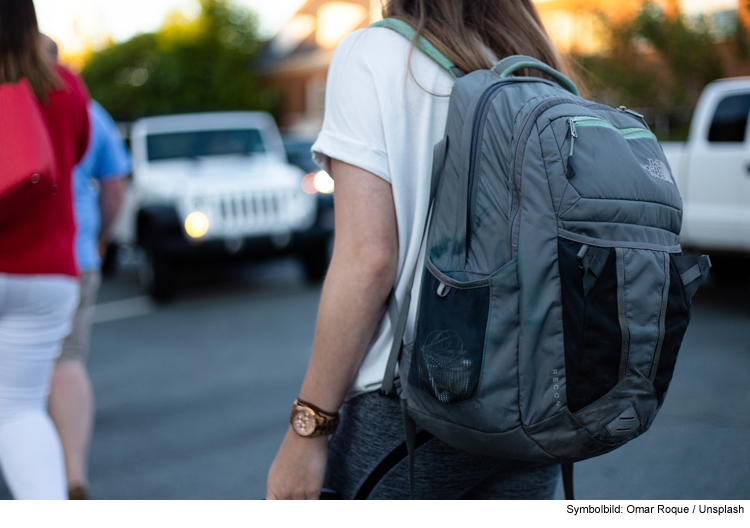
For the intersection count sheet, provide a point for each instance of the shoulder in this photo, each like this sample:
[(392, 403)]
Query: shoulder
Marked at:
[(386, 57), (100, 116), (373, 48), (374, 41), (73, 89), (67, 105)]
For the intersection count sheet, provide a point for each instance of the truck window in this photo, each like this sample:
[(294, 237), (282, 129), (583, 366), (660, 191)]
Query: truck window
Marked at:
[(204, 143), (730, 121)]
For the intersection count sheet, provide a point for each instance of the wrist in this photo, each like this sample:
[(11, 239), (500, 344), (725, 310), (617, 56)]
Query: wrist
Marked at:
[(306, 441)]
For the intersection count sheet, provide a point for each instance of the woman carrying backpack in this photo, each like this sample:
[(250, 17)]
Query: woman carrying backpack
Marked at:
[(38, 278), (386, 109)]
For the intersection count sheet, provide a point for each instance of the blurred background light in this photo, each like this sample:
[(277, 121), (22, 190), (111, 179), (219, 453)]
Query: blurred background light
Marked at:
[(336, 20), (308, 183), (293, 33)]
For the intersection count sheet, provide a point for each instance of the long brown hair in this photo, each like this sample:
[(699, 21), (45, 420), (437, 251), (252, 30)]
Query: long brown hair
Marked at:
[(460, 28), (22, 54)]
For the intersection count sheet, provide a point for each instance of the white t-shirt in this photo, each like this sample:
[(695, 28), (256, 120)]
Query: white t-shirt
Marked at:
[(379, 119)]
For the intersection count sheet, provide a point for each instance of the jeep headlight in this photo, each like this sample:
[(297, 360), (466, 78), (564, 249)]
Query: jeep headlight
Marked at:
[(323, 183), (196, 224), (319, 182)]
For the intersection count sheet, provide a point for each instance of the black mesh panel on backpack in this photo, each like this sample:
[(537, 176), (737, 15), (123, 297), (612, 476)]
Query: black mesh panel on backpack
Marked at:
[(676, 323), (591, 327), (449, 346)]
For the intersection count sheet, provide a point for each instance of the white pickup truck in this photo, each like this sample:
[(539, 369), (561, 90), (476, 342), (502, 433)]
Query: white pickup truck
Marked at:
[(219, 186), (712, 171)]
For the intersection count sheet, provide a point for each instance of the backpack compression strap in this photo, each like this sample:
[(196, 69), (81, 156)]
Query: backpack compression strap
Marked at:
[(404, 29)]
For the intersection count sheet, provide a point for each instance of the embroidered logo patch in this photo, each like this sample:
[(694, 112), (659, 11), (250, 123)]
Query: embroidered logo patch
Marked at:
[(657, 169)]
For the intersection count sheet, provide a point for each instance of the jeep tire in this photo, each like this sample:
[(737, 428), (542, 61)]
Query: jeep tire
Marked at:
[(315, 261), (155, 275)]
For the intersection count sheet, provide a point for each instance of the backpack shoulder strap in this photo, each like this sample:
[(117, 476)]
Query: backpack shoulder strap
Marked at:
[(399, 316), (404, 29)]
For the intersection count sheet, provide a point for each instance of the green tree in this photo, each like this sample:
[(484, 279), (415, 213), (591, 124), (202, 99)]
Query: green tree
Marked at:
[(205, 64), (654, 61)]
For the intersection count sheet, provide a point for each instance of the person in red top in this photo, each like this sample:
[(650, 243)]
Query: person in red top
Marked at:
[(38, 278)]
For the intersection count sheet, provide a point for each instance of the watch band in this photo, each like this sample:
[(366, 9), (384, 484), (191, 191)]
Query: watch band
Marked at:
[(315, 408), (325, 429), (325, 423)]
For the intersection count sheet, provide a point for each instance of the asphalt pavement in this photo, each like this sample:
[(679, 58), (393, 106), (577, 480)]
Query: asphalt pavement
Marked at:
[(193, 396)]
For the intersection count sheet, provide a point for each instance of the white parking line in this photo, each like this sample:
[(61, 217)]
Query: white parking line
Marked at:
[(124, 309)]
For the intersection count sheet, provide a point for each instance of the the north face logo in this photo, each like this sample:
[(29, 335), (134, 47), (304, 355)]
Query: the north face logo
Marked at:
[(657, 169)]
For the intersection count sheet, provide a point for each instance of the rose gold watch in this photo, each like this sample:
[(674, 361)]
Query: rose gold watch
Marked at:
[(309, 421)]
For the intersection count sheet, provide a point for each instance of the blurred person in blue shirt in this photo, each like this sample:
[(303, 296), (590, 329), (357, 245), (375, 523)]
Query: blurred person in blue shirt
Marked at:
[(98, 188)]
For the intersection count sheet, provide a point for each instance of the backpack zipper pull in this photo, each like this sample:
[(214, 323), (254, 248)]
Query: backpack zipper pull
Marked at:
[(573, 135), (573, 132), (443, 290), (635, 114), (582, 254)]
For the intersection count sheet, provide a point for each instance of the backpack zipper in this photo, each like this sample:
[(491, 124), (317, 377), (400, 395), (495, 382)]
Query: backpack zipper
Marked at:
[(476, 136), (525, 132), (589, 121), (571, 171)]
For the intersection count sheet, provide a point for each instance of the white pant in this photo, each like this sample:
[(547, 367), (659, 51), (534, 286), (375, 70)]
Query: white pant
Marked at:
[(36, 313)]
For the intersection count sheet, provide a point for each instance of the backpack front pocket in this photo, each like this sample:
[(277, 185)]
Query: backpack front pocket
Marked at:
[(594, 325), (603, 177), (625, 313)]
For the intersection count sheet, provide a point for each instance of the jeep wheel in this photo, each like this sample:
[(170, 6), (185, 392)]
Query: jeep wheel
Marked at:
[(315, 261), (155, 276)]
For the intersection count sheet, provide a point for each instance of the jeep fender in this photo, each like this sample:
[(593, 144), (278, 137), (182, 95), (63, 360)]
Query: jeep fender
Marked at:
[(155, 221)]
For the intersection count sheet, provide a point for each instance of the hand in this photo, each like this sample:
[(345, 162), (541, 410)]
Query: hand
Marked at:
[(299, 468)]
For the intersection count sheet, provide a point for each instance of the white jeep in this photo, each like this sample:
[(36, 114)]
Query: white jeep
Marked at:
[(215, 186)]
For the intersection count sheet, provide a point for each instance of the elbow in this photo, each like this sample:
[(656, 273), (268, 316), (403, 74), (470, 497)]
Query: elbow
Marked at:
[(378, 268)]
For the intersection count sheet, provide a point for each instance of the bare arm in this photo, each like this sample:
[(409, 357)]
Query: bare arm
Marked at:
[(111, 195), (362, 273)]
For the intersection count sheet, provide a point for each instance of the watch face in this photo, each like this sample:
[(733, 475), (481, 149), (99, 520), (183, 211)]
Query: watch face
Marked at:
[(304, 423)]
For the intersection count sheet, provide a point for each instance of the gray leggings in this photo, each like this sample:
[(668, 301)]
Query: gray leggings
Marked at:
[(371, 435)]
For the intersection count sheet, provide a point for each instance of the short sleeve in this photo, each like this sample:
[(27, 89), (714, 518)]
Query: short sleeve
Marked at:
[(112, 156), (353, 124)]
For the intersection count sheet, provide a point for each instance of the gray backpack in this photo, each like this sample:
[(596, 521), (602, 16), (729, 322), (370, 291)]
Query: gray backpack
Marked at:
[(555, 295)]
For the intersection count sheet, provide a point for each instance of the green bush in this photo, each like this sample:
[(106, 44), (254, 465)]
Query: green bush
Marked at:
[(197, 65), (656, 62)]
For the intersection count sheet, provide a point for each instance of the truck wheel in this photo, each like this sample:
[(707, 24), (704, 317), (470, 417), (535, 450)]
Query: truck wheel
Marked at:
[(155, 275), (315, 261), (730, 270)]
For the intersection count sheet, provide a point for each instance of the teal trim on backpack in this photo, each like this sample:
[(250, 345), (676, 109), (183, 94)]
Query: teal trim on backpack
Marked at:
[(627, 133), (404, 29)]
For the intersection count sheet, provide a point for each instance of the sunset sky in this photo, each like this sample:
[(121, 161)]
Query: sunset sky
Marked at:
[(78, 24)]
